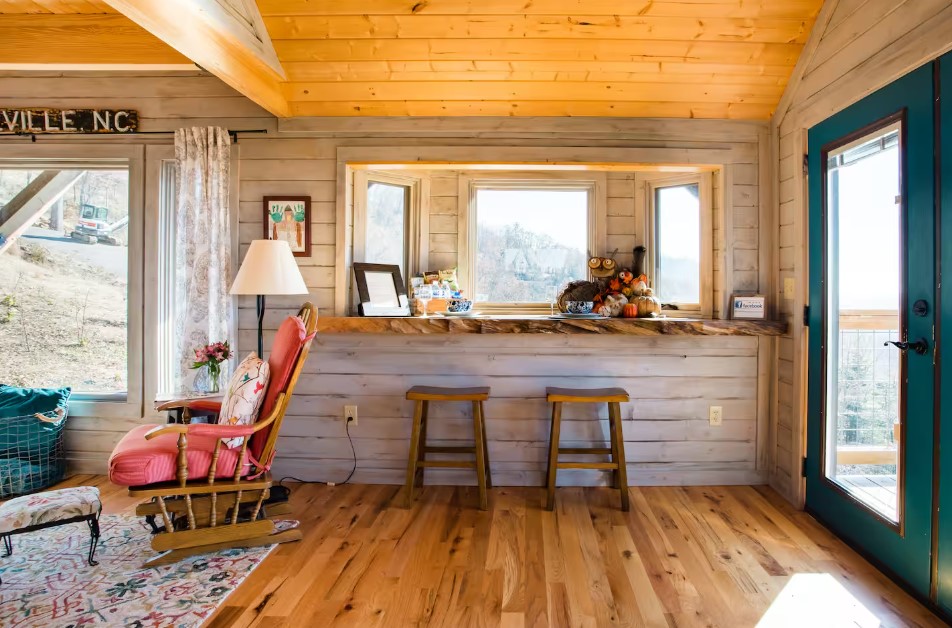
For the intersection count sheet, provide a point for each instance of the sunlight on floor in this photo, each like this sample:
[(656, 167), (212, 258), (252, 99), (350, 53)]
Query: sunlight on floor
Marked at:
[(816, 600)]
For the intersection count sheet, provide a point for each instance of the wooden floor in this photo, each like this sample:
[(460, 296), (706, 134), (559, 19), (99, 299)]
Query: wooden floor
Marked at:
[(701, 556)]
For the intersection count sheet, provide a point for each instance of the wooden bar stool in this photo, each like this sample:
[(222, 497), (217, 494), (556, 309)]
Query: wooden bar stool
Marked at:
[(613, 397), (423, 395)]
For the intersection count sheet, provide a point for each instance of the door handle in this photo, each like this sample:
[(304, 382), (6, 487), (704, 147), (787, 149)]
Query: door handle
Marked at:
[(920, 346)]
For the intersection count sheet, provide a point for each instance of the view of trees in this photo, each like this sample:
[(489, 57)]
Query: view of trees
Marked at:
[(517, 265), (386, 224), (63, 302), (102, 188)]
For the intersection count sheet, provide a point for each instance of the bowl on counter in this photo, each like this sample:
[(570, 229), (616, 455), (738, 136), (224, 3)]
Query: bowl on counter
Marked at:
[(458, 306), (579, 307)]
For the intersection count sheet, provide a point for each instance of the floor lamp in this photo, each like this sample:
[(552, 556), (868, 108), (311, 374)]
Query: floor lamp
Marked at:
[(268, 269)]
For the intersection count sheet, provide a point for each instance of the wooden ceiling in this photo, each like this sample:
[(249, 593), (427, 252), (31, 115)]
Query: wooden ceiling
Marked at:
[(632, 58), (639, 58), (61, 7), (77, 33)]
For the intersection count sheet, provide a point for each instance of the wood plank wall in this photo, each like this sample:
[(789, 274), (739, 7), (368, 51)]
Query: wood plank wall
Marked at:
[(861, 45), (672, 381)]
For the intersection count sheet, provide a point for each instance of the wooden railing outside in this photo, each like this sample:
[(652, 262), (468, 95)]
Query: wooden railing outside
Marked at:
[(880, 448)]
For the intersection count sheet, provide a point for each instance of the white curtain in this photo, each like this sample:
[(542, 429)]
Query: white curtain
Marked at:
[(202, 246)]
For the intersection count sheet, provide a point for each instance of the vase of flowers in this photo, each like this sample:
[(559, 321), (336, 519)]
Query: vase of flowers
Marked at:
[(211, 356)]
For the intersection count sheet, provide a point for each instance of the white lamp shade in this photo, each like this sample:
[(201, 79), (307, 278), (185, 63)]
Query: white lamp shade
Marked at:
[(269, 268)]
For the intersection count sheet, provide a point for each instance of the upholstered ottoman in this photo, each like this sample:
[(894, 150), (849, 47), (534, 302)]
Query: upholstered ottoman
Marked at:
[(52, 508)]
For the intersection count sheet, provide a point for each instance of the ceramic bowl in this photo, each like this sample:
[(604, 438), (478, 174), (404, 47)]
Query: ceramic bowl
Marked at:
[(579, 307), (459, 305)]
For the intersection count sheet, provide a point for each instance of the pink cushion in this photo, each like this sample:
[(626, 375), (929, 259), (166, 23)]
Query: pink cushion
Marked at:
[(136, 461), (288, 343)]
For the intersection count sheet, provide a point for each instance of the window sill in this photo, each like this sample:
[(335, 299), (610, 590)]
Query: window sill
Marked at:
[(523, 324)]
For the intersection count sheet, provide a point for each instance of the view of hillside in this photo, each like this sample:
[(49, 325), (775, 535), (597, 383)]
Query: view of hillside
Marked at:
[(63, 302)]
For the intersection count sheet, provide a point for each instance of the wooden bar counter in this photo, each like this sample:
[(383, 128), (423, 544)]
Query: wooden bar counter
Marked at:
[(547, 325)]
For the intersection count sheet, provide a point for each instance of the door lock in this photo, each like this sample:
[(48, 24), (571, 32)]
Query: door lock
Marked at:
[(921, 347)]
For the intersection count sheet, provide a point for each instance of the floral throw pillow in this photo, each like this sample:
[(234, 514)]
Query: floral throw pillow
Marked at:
[(244, 395)]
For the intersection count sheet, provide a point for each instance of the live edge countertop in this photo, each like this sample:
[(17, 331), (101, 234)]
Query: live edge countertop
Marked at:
[(546, 325)]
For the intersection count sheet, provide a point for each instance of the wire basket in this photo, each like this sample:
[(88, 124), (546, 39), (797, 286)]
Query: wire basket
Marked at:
[(32, 455)]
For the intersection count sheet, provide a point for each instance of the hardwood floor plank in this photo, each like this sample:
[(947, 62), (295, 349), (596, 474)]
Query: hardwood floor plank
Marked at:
[(683, 556)]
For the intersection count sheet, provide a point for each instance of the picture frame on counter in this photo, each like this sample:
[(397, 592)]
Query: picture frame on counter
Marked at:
[(748, 306), (381, 290), (288, 218)]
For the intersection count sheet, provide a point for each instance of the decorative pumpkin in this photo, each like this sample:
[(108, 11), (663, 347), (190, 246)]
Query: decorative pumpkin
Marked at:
[(647, 304), (614, 304), (638, 287), (630, 311)]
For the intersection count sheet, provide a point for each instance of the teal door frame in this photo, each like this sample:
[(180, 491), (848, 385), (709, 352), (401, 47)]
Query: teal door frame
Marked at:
[(906, 550), (942, 574)]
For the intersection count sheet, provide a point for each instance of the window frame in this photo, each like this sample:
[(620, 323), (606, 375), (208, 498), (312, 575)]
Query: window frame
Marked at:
[(416, 229), (647, 198), (132, 158), (595, 182)]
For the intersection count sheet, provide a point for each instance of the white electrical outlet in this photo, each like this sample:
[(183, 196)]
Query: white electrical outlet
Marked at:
[(717, 415), (350, 414)]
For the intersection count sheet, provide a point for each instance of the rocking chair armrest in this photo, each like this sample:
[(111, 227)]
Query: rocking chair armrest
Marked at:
[(217, 429), (205, 404)]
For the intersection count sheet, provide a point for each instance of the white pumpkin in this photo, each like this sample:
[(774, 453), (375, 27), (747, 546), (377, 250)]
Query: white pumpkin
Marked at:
[(615, 303)]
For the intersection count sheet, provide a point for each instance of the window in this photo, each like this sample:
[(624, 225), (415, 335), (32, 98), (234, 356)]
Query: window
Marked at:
[(680, 242), (388, 211), (70, 278), (522, 240)]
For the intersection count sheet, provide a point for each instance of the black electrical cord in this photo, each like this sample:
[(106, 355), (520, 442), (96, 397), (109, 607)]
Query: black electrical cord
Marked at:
[(353, 469)]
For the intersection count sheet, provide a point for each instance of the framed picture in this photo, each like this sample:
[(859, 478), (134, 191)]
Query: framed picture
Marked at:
[(380, 290), (288, 218), (748, 306)]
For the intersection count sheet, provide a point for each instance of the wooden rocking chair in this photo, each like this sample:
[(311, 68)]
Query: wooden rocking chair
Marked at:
[(210, 497)]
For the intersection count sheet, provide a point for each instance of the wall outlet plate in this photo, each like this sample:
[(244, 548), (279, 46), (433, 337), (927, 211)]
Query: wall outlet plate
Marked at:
[(789, 288), (350, 414), (717, 415)]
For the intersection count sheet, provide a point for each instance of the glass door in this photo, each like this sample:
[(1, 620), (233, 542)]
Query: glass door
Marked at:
[(872, 299)]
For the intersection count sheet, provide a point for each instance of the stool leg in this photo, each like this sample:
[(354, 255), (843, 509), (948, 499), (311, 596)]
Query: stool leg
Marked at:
[(421, 456), (7, 545), (414, 447), (480, 451), (553, 455), (618, 447), (489, 470)]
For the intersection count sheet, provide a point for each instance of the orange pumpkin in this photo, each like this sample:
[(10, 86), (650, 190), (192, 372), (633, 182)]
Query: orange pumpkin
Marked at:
[(630, 311)]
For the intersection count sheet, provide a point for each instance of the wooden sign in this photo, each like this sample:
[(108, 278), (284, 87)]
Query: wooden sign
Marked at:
[(37, 121)]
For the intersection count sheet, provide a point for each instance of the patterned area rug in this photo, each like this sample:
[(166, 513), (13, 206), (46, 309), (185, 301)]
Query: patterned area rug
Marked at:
[(48, 583)]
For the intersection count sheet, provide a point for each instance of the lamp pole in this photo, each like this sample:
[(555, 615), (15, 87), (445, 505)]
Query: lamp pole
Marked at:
[(260, 326)]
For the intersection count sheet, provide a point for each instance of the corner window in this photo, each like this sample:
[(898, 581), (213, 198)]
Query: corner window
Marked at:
[(680, 243), (523, 240)]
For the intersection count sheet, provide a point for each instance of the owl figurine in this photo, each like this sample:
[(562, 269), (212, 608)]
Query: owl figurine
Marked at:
[(602, 267)]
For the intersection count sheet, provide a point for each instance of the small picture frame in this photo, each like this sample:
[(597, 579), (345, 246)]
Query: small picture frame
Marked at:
[(288, 218), (381, 290), (748, 306)]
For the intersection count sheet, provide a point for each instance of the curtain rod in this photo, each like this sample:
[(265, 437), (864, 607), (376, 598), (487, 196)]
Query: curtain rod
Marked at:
[(232, 132)]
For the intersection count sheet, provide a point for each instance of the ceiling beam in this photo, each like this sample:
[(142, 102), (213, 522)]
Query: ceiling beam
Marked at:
[(96, 42), (218, 41)]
